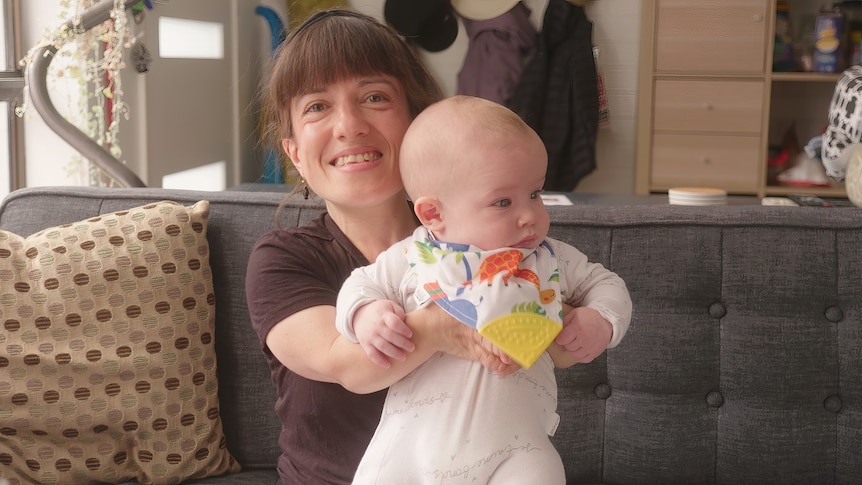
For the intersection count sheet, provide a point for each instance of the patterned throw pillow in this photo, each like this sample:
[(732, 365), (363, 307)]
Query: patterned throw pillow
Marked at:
[(107, 358)]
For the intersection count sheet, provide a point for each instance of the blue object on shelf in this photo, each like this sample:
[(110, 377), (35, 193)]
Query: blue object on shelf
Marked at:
[(276, 26), (273, 172)]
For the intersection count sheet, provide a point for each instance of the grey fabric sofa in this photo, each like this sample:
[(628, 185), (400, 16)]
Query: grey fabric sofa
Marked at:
[(743, 362)]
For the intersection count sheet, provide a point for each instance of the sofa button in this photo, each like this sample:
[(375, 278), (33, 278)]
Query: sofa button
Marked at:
[(717, 310), (602, 391), (833, 403), (714, 399), (834, 314)]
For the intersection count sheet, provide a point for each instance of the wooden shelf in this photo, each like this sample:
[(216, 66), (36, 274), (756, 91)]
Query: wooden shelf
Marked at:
[(836, 190), (704, 90), (808, 77)]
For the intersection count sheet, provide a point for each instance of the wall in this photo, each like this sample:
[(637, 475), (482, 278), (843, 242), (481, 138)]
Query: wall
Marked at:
[(617, 25), (616, 32), (47, 155), (152, 100)]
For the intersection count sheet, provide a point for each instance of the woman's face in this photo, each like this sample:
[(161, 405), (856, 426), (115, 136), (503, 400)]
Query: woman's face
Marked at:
[(346, 138)]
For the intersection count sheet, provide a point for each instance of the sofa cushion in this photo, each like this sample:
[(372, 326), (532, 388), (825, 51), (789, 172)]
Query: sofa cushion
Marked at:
[(108, 366)]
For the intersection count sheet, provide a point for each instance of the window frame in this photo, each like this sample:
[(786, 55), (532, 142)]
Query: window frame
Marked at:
[(12, 91)]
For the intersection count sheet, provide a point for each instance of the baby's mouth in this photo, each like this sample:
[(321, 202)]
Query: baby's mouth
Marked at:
[(356, 158), (526, 243)]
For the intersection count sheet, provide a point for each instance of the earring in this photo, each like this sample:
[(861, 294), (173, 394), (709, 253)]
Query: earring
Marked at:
[(304, 189)]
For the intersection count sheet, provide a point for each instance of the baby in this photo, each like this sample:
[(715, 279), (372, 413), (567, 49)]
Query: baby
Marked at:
[(474, 171)]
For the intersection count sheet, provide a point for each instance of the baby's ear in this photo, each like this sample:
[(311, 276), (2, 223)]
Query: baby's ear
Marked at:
[(429, 211)]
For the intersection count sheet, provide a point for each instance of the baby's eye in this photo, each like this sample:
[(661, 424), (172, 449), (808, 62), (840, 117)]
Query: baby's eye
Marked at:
[(536, 195), (503, 203)]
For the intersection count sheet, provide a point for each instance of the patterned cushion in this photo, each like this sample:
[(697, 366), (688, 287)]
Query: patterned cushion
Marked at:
[(107, 358)]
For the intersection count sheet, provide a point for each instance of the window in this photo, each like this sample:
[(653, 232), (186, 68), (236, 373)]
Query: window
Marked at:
[(11, 96)]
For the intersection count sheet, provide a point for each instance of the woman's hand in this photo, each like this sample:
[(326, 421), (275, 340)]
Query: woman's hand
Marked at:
[(449, 335), (585, 335)]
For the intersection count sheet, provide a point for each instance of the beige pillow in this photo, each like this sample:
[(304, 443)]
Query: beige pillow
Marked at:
[(107, 358)]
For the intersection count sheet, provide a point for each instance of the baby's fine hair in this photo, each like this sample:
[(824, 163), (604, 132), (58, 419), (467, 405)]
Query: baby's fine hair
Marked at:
[(432, 146)]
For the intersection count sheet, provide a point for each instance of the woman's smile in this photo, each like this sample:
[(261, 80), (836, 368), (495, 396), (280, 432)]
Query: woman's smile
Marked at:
[(356, 158)]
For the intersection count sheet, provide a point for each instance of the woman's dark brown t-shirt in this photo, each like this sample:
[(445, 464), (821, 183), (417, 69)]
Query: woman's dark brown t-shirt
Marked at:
[(325, 428)]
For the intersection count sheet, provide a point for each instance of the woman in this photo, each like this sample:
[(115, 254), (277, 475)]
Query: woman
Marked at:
[(342, 91)]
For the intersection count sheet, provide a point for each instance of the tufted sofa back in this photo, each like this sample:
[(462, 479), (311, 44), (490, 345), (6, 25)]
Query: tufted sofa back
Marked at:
[(743, 362)]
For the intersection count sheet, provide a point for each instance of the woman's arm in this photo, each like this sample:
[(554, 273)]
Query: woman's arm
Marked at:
[(308, 343)]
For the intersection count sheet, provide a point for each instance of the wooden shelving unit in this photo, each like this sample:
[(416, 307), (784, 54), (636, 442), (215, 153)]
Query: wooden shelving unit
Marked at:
[(708, 65)]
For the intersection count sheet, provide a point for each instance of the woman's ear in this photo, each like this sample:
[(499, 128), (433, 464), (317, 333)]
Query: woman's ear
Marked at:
[(290, 149), (429, 210)]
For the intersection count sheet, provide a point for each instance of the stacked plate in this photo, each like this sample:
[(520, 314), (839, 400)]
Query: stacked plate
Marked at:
[(696, 196)]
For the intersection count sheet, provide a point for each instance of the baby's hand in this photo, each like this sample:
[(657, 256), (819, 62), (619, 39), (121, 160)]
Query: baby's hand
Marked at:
[(379, 326), (585, 335)]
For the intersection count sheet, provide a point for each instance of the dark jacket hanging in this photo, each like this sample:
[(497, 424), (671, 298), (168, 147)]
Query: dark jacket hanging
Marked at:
[(495, 54), (558, 95)]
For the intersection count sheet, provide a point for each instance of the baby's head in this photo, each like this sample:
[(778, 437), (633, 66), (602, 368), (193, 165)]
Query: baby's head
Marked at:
[(474, 171)]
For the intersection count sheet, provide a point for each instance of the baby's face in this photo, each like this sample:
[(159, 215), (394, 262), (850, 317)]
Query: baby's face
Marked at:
[(497, 203)]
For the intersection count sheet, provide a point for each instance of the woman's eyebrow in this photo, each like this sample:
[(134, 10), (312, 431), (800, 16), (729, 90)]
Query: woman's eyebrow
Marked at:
[(382, 80)]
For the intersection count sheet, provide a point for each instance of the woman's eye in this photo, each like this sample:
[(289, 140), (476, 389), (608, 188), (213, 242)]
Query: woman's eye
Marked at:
[(503, 203), (376, 98), (315, 108)]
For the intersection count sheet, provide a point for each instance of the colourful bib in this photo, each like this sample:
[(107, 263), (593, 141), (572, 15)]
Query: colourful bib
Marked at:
[(511, 296)]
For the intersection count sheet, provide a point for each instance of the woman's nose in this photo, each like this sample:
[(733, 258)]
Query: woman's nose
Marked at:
[(350, 122)]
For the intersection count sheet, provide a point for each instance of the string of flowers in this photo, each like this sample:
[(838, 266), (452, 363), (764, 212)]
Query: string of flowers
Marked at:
[(89, 62)]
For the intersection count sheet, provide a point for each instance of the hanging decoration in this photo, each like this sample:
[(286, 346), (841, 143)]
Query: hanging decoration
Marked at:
[(87, 66)]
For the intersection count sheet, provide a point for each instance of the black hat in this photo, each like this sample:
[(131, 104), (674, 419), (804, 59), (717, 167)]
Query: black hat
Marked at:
[(432, 24)]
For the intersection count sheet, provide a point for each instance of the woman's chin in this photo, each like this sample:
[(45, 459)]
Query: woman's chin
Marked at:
[(368, 195)]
